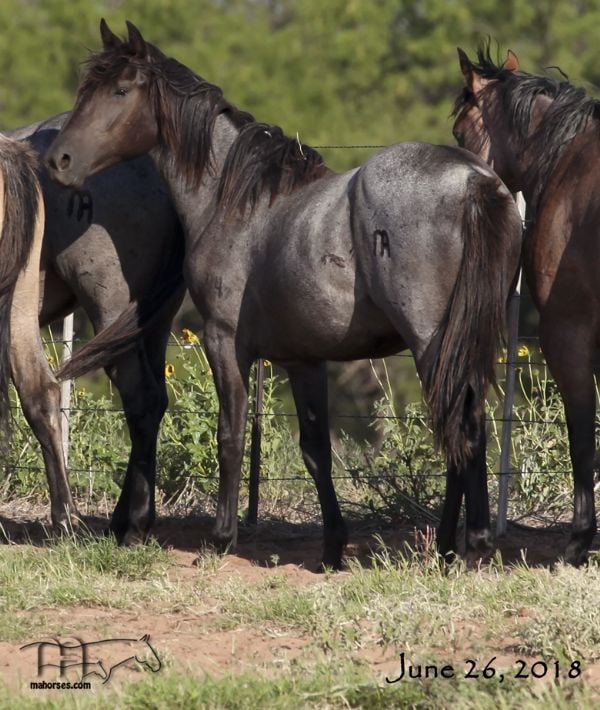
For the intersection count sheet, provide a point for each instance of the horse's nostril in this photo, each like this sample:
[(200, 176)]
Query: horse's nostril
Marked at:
[(64, 162)]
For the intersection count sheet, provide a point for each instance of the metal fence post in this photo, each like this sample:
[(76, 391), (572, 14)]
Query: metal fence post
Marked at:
[(509, 394), (259, 387), (65, 387)]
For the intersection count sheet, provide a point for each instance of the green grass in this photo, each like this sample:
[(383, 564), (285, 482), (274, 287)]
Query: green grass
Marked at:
[(339, 622), (412, 604), (78, 570), (322, 685)]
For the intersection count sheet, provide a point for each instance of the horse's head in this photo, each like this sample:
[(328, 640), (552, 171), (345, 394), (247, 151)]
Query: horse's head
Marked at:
[(481, 124), (147, 656), (113, 118)]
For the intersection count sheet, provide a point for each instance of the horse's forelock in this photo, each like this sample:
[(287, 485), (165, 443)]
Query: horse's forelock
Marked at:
[(107, 65)]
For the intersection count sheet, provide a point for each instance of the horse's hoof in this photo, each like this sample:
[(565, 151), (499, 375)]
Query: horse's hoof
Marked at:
[(125, 537), (576, 553), (66, 522), (132, 538), (332, 555), (480, 541), (448, 557), (330, 564), (479, 547), (223, 542)]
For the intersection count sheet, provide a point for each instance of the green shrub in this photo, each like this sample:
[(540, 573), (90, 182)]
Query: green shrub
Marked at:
[(402, 478)]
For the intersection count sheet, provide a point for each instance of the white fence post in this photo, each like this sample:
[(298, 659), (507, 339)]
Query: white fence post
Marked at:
[(509, 394), (65, 387)]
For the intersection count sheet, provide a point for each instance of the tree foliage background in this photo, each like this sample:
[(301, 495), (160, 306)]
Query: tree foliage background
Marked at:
[(337, 72)]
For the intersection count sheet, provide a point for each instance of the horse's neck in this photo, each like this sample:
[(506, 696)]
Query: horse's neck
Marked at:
[(528, 158), (195, 205)]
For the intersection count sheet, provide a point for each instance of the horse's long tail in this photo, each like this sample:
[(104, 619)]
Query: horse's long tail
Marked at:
[(459, 363), (124, 333), (21, 214)]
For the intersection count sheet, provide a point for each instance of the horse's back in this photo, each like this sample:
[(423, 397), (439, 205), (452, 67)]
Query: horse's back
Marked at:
[(421, 171)]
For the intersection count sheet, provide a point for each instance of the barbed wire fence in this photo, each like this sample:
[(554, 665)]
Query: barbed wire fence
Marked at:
[(257, 412)]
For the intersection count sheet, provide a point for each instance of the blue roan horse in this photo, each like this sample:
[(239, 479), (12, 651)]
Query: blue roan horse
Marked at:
[(287, 260)]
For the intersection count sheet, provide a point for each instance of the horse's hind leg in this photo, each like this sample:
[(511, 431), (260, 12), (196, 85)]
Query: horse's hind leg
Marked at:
[(39, 393), (139, 377), (470, 478), (446, 533), (478, 535), (309, 387), (569, 357), (37, 387)]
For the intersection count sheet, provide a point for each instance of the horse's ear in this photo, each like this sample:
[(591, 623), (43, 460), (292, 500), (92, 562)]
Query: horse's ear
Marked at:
[(511, 62), (109, 38), (465, 63), (473, 79), (136, 41)]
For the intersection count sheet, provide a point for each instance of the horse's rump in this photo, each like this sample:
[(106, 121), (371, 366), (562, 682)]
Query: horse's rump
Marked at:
[(459, 363)]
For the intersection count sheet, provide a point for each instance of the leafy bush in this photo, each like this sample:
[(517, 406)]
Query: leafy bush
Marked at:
[(401, 478)]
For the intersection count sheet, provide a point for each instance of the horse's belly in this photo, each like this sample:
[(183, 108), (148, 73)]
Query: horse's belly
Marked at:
[(328, 331)]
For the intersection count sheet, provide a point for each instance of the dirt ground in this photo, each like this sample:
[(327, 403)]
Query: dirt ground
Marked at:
[(187, 638)]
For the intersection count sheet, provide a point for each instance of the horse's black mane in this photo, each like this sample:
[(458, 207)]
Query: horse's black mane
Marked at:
[(261, 158), (569, 114)]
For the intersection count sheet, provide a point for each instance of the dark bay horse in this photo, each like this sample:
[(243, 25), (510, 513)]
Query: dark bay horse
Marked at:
[(115, 246), (287, 260), (541, 136)]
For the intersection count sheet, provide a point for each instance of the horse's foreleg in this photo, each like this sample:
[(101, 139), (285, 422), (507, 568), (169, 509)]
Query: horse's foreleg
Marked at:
[(231, 382), (309, 387), (569, 357)]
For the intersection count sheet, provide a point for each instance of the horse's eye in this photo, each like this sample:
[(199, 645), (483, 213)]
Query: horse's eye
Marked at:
[(121, 91)]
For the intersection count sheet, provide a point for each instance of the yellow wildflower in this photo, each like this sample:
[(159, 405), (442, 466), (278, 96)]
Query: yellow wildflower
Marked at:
[(51, 360), (169, 369), (501, 360), (189, 337), (523, 351)]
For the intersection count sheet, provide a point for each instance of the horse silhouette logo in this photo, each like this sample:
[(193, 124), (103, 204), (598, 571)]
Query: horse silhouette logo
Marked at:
[(94, 658)]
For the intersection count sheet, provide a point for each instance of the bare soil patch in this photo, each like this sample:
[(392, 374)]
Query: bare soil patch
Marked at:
[(187, 639)]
